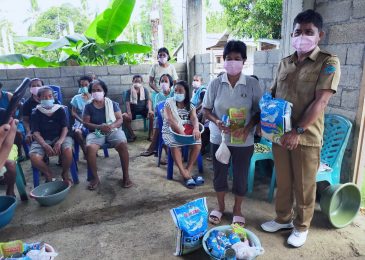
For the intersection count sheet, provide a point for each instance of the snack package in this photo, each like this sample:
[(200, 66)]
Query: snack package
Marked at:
[(11, 248), (191, 220), (275, 117), (237, 118)]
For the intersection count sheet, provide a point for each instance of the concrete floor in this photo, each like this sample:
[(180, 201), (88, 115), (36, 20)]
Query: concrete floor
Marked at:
[(135, 223)]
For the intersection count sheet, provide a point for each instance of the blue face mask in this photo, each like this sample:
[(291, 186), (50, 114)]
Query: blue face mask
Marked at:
[(83, 90), (179, 97), (48, 103)]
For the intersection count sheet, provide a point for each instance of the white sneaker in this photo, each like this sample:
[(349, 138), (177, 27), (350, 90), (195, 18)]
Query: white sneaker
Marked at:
[(297, 238), (273, 226)]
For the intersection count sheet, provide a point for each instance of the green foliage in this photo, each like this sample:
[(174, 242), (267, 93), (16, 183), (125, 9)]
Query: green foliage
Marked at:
[(216, 22), (172, 32), (54, 21), (98, 46), (254, 18)]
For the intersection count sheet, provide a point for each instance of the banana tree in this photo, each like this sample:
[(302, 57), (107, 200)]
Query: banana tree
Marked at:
[(97, 46)]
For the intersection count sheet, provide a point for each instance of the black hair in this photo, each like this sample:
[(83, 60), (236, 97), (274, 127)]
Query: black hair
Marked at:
[(187, 94), (309, 16), (101, 83), (1, 85), (235, 46), (165, 50), (199, 76), (169, 77), (254, 76), (36, 79), (137, 76), (88, 78), (44, 89)]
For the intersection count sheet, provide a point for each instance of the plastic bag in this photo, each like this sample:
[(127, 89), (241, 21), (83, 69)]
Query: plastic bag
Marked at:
[(191, 222), (223, 154), (275, 117)]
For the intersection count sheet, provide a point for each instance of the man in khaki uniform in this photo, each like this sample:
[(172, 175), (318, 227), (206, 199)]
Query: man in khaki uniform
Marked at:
[(308, 78)]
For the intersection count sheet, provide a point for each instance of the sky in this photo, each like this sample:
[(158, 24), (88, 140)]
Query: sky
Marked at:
[(16, 11)]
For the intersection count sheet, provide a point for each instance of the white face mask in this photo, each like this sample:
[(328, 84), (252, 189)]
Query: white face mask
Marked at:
[(137, 85), (165, 86), (162, 60), (196, 84)]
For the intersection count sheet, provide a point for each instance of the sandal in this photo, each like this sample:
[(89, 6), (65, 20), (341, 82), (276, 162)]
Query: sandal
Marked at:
[(239, 220), (215, 217), (147, 153), (163, 162), (190, 183), (199, 180), (93, 186), (122, 183)]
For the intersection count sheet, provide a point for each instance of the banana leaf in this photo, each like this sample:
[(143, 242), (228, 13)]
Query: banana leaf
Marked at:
[(108, 25), (35, 41), (26, 60), (118, 48)]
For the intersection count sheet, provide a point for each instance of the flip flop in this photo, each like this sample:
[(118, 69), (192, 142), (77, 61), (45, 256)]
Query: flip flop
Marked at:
[(199, 180), (190, 183), (146, 153), (163, 162), (93, 186), (125, 186), (215, 217), (239, 221)]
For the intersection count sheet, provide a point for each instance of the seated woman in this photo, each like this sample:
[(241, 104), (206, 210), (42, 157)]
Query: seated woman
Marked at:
[(50, 128), (177, 109), (138, 103), (166, 83), (103, 119), (78, 103)]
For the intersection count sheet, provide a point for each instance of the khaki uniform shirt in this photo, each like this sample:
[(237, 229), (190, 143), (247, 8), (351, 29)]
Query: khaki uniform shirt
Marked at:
[(298, 83)]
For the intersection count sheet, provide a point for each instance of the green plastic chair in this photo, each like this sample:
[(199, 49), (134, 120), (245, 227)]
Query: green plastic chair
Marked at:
[(336, 134), (259, 156), (124, 109)]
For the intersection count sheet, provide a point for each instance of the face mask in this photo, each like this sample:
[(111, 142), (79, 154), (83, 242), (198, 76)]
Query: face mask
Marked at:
[(47, 103), (165, 86), (179, 97), (83, 90), (304, 43), (162, 60), (233, 67), (98, 96), (34, 90), (196, 84)]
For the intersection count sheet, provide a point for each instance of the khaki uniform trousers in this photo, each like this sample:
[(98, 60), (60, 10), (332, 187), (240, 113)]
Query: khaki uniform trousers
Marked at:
[(296, 172)]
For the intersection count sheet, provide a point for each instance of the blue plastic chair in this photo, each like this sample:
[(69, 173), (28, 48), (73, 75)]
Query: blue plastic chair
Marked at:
[(73, 167), (258, 156), (336, 134), (124, 109), (57, 93), (170, 160)]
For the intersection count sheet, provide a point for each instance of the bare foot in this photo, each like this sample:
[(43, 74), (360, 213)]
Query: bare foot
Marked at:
[(93, 184)]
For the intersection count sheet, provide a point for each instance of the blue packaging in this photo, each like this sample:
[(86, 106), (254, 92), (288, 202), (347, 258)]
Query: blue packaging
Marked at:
[(275, 117), (191, 220), (234, 238)]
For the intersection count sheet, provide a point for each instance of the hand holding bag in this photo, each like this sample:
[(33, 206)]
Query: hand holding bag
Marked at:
[(223, 154)]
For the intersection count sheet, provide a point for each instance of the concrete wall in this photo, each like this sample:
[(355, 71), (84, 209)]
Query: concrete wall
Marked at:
[(204, 66), (117, 78), (344, 25)]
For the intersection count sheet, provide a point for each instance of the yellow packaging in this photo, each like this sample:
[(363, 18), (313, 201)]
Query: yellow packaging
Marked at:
[(11, 248), (237, 118)]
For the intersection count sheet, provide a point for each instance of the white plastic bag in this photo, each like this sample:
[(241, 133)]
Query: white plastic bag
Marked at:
[(223, 154)]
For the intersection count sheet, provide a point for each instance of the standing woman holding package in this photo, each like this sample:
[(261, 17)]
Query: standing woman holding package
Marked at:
[(236, 94)]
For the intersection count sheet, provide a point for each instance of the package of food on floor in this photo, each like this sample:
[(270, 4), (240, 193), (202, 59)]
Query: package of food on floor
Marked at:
[(191, 220), (275, 117), (26, 251), (232, 242), (237, 119)]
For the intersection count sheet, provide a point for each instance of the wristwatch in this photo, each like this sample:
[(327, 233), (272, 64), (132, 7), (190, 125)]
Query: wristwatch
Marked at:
[(299, 130)]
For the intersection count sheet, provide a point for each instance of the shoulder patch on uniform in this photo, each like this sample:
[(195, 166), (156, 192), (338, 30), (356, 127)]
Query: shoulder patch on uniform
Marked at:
[(329, 69)]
